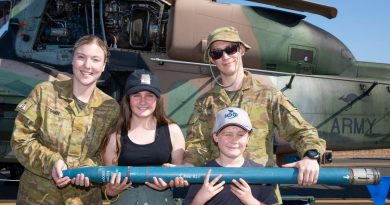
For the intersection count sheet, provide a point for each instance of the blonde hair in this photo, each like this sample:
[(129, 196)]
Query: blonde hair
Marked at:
[(89, 39)]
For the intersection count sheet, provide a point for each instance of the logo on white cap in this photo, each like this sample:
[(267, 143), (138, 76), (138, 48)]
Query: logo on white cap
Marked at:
[(231, 114)]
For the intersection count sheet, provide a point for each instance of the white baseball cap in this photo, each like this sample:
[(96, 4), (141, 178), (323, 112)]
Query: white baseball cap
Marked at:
[(232, 116)]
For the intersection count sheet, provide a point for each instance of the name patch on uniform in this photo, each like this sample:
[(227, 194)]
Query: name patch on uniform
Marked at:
[(55, 112)]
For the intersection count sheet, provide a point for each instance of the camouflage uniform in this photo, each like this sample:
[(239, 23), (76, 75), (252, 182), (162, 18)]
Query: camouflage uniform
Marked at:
[(268, 110), (48, 128)]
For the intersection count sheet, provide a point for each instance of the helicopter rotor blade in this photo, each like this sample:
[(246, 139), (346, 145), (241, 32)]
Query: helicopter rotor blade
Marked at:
[(169, 2), (301, 5)]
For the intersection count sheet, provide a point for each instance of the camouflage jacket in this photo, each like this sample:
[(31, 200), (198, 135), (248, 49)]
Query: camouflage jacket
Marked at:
[(49, 127), (269, 111)]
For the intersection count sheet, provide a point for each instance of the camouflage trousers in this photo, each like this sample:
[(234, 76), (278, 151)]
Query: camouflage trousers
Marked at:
[(36, 190)]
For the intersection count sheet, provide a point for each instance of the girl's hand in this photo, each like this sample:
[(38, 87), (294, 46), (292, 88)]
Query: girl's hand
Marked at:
[(115, 186), (158, 184), (178, 181)]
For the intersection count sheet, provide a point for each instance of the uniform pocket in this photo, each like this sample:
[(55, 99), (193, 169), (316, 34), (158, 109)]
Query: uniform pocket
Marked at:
[(55, 128)]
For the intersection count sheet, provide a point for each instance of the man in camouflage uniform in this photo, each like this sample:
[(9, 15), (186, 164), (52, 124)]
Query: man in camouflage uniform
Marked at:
[(267, 107), (53, 126)]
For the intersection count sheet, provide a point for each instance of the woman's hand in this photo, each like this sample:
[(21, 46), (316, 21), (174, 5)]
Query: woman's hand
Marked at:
[(57, 174), (115, 186), (81, 180)]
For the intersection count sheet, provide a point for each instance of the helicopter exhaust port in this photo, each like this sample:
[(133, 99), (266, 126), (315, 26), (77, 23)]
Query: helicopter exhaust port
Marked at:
[(140, 26)]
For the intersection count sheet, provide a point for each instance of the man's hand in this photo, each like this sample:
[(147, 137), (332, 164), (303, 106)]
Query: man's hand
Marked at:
[(308, 170), (57, 174)]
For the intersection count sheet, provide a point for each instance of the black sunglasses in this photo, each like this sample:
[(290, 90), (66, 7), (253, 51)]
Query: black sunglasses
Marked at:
[(230, 50)]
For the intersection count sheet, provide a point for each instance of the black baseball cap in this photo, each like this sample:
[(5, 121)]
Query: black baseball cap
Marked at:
[(141, 80)]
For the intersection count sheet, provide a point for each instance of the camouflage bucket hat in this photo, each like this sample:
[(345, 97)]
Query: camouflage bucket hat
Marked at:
[(229, 34)]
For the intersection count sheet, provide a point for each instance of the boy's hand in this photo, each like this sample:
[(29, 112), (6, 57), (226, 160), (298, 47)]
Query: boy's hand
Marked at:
[(243, 191), (209, 189)]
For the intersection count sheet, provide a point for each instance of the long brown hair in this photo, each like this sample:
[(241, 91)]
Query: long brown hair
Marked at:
[(123, 122)]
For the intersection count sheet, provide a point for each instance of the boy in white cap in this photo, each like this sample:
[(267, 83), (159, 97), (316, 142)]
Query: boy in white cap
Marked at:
[(231, 132)]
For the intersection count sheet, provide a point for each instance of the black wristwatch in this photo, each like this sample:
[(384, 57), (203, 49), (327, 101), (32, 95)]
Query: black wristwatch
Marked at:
[(313, 154)]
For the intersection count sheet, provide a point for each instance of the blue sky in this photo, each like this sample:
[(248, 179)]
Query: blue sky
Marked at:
[(362, 25)]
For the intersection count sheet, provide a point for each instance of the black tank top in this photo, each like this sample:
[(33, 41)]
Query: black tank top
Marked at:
[(153, 154)]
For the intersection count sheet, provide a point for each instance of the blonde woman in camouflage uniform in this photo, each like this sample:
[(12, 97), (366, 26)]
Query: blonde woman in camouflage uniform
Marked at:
[(267, 107), (60, 126)]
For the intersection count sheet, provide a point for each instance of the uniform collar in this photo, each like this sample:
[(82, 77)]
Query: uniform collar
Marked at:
[(246, 83), (223, 96), (65, 89)]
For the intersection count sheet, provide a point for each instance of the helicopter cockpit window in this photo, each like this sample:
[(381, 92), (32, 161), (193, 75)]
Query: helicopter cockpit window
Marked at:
[(5, 7), (302, 55)]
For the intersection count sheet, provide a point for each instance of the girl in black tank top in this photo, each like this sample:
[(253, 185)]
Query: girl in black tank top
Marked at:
[(153, 154), (153, 140)]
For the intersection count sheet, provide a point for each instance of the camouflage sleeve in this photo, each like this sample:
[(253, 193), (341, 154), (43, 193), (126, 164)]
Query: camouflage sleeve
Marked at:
[(197, 140), (291, 126), (29, 151)]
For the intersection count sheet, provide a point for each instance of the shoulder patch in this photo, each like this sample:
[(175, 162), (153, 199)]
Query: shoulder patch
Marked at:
[(24, 105)]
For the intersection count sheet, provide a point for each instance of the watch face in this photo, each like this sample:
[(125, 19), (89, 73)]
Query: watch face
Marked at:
[(313, 154)]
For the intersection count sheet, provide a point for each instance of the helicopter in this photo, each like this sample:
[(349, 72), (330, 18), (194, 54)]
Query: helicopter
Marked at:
[(343, 98)]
